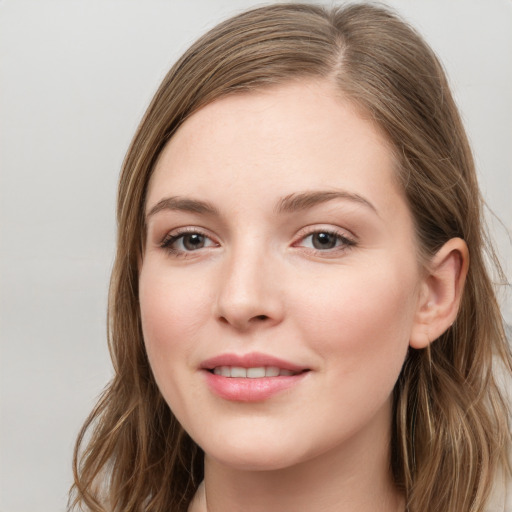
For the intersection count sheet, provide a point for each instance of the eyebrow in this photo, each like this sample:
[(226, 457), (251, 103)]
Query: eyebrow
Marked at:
[(302, 201), (289, 204), (183, 204)]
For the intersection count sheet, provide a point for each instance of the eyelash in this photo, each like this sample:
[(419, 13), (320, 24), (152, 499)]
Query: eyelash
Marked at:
[(345, 243), (173, 237)]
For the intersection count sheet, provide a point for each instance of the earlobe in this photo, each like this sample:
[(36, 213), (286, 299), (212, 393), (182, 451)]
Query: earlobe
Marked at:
[(441, 293)]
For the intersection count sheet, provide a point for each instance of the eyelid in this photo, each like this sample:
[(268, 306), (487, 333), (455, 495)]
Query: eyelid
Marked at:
[(326, 228), (175, 234), (347, 237)]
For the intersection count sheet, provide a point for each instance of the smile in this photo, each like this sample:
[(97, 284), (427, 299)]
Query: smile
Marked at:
[(253, 377), (258, 372)]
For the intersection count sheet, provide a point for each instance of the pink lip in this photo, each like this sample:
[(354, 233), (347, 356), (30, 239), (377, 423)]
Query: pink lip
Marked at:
[(253, 359), (246, 389)]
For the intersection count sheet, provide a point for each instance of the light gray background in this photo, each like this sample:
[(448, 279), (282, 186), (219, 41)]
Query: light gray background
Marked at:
[(75, 78)]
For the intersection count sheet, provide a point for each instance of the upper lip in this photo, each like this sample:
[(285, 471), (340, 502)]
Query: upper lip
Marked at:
[(251, 360)]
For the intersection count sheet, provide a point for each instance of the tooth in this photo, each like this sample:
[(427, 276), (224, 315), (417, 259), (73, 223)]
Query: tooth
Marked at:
[(252, 373), (271, 371), (256, 373), (237, 371)]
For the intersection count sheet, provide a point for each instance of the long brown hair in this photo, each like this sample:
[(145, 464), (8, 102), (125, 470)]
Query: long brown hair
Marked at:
[(450, 431)]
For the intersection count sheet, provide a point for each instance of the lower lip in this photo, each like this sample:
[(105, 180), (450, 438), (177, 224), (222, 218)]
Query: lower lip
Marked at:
[(250, 390)]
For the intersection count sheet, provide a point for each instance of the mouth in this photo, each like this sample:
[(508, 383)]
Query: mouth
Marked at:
[(251, 377), (255, 372), (253, 365)]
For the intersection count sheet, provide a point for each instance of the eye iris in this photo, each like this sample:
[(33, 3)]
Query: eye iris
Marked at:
[(324, 241), (193, 241)]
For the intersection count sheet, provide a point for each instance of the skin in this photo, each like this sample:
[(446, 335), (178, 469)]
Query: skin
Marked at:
[(256, 282)]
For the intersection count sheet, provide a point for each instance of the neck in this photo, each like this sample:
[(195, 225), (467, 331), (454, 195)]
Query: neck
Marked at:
[(352, 478)]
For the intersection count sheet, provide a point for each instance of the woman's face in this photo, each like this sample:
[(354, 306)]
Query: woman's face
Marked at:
[(279, 283)]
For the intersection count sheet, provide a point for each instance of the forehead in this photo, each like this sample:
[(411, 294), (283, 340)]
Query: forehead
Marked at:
[(302, 135)]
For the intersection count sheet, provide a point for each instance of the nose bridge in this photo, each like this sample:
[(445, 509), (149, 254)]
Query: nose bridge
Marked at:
[(248, 292)]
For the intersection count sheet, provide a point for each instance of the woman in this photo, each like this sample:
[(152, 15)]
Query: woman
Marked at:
[(300, 313)]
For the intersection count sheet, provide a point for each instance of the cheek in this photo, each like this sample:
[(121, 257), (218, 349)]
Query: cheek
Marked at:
[(172, 312), (170, 309), (361, 322)]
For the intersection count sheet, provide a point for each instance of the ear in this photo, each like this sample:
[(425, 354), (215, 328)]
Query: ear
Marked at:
[(441, 292)]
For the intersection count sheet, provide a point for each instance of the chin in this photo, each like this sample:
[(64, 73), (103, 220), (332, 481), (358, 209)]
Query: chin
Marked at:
[(252, 461), (253, 455)]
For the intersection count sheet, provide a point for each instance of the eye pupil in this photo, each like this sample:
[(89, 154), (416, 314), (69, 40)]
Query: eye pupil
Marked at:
[(324, 241), (193, 241)]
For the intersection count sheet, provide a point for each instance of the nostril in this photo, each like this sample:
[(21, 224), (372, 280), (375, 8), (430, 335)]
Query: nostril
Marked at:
[(254, 319), (242, 320)]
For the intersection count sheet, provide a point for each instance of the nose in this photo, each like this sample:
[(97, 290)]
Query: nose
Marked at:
[(249, 291)]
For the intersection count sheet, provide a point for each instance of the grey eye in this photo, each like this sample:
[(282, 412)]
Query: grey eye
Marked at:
[(193, 241), (324, 240)]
